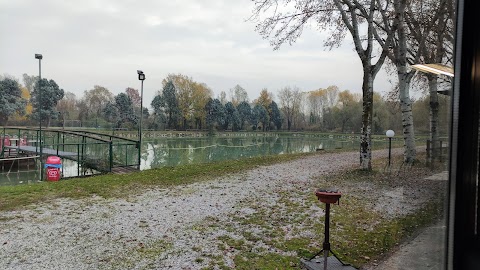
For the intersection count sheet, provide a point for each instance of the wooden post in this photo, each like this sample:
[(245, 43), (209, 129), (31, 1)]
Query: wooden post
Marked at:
[(429, 149), (440, 151)]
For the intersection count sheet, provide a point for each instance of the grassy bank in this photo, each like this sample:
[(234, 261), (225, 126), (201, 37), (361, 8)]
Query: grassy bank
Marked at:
[(109, 185)]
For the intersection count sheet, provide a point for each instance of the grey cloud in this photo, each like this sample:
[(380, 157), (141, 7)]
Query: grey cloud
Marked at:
[(92, 42)]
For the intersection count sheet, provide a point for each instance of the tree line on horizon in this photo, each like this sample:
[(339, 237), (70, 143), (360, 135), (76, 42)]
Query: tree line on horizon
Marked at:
[(184, 104)]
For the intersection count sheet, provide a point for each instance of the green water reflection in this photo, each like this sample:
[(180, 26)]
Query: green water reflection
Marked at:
[(178, 151)]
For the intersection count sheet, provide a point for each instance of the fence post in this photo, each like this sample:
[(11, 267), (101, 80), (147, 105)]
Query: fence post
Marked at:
[(111, 155), (37, 139), (78, 159), (139, 152), (83, 149), (58, 141)]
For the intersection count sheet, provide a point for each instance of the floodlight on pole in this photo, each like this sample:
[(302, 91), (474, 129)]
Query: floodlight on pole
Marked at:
[(39, 101), (141, 77)]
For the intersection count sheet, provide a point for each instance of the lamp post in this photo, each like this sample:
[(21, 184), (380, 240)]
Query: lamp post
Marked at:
[(390, 133), (39, 100), (141, 77)]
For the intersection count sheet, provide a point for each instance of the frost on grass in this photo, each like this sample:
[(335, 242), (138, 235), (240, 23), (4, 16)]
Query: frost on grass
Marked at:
[(269, 210)]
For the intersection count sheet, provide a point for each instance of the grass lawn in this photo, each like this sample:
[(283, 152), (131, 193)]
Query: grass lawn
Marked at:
[(276, 238), (110, 185), (273, 237)]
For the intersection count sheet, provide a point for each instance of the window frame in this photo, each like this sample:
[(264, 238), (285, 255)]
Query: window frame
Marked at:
[(463, 215)]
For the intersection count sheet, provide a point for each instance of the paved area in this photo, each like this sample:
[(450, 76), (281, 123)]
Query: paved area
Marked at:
[(443, 176), (332, 264), (424, 252)]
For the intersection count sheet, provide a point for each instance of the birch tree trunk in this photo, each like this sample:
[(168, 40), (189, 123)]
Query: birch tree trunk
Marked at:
[(409, 151), (366, 136), (404, 79)]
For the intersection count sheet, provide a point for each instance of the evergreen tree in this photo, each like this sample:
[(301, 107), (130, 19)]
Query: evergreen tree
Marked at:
[(11, 100), (232, 118), (111, 113), (215, 113), (124, 105), (46, 108), (159, 116), (275, 115), (244, 113), (254, 118), (170, 103), (259, 115), (262, 116)]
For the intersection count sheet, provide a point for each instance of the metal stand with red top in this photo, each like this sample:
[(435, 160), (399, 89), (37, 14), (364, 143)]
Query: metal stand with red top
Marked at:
[(327, 196)]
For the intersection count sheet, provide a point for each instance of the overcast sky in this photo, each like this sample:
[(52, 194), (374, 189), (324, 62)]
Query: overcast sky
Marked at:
[(86, 43)]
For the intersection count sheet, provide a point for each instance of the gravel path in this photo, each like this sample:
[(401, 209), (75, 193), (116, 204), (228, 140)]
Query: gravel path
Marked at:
[(97, 233)]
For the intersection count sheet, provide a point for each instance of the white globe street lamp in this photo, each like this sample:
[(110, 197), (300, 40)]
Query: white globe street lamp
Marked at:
[(390, 133)]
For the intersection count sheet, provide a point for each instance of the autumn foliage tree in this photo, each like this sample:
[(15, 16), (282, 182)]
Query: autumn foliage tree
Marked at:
[(134, 96), (67, 107), (191, 97), (95, 100), (265, 98)]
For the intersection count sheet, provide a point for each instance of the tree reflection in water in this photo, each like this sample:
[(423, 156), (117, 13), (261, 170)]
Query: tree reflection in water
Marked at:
[(178, 151)]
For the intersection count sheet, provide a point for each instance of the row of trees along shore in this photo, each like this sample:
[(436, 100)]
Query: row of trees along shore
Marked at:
[(184, 104), (397, 32)]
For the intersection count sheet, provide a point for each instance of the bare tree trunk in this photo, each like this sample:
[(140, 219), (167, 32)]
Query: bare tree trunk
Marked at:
[(434, 107), (369, 70)]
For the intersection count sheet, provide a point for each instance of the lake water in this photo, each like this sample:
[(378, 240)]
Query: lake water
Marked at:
[(177, 151), (174, 151)]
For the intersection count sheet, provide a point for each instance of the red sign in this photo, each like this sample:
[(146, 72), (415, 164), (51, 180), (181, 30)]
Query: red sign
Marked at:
[(53, 174)]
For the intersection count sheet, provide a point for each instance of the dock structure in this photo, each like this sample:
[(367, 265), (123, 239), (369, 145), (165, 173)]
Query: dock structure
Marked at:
[(6, 164), (91, 150), (46, 151)]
